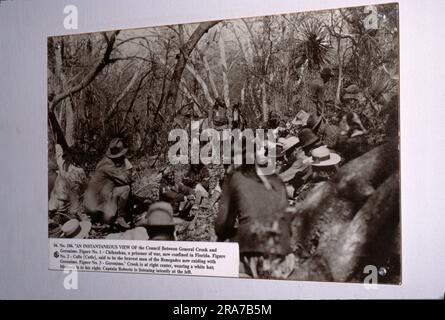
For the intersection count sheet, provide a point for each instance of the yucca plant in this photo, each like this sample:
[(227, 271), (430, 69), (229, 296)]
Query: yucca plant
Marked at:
[(313, 44)]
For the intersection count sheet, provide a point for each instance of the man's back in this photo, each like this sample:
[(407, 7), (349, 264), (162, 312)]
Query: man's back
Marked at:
[(246, 198)]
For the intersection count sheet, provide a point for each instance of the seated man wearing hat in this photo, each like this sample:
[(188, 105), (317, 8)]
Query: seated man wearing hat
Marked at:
[(110, 185), (353, 140), (156, 224), (288, 154), (297, 172), (75, 229), (292, 164), (177, 194), (323, 163), (198, 178), (328, 133), (308, 141)]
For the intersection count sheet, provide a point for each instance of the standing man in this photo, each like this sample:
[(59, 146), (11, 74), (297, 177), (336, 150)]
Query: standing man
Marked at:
[(110, 185), (253, 213), (317, 122), (220, 120), (317, 89)]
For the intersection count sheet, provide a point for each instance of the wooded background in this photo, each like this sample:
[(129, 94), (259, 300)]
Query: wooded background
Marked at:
[(138, 83)]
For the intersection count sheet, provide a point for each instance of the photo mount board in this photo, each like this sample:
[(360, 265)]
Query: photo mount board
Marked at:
[(139, 84)]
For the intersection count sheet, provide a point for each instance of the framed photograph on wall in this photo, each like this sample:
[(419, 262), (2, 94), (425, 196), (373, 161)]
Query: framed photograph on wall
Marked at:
[(262, 147)]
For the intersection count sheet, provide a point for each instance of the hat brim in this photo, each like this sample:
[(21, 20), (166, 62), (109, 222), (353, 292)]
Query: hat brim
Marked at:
[(117, 155), (332, 161), (317, 123), (85, 227), (289, 147), (350, 96), (138, 233), (311, 142), (175, 222), (290, 173), (169, 224), (220, 127)]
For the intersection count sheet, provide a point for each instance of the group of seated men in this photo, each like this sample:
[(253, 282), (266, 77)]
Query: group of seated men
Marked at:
[(106, 197), (301, 156)]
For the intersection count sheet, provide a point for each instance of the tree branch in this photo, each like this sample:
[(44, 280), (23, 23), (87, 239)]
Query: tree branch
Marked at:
[(89, 77)]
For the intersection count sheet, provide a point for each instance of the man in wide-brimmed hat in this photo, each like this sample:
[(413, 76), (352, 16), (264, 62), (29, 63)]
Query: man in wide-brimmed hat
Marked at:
[(110, 184), (323, 157), (308, 140), (159, 222), (75, 229), (324, 163), (288, 150), (155, 224), (296, 172)]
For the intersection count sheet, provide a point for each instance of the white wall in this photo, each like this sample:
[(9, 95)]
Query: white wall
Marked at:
[(24, 27)]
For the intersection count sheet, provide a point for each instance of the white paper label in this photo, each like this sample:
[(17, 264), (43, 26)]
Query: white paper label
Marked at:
[(216, 259)]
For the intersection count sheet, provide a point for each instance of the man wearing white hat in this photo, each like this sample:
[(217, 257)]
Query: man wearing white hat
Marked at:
[(324, 163)]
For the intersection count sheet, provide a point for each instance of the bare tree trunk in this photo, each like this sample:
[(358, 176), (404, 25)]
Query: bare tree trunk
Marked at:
[(248, 60), (90, 76), (202, 83), (185, 51), (192, 97), (205, 62), (243, 93), (223, 59), (210, 76), (264, 105), (69, 126), (124, 92), (340, 72), (68, 113), (255, 100)]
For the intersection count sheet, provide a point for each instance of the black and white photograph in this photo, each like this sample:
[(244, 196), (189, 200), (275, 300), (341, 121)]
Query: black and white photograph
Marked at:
[(279, 133)]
